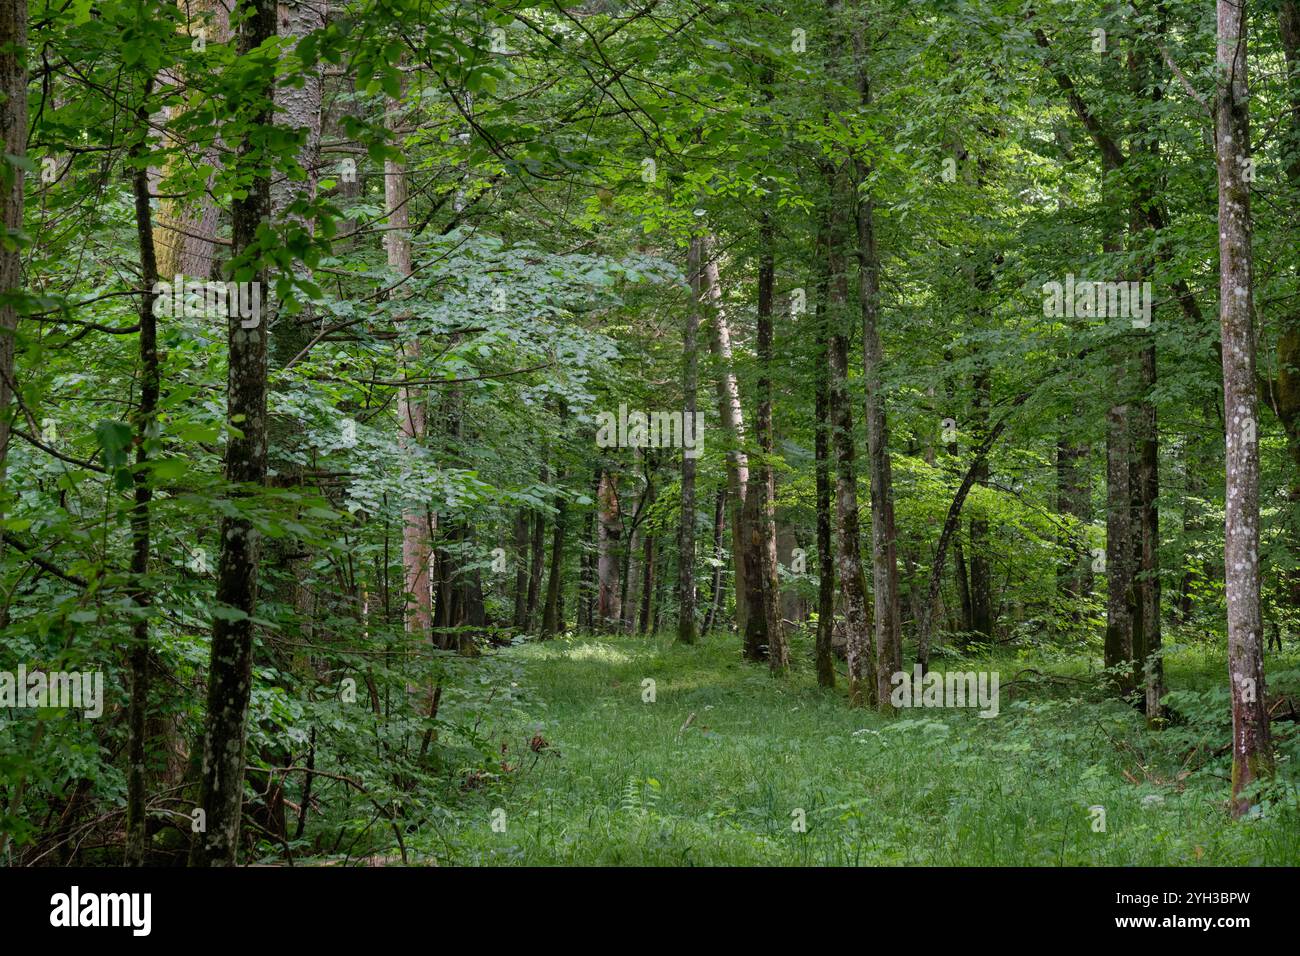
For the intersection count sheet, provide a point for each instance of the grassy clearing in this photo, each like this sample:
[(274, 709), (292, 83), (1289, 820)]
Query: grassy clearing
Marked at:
[(626, 782)]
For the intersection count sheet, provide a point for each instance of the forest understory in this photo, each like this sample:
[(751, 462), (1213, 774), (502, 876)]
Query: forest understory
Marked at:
[(664, 432)]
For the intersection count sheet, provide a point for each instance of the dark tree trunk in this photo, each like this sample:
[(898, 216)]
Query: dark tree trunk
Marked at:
[(884, 549), (140, 593), (981, 578), (608, 611), (13, 127), (825, 558), (230, 668), (853, 585), (1119, 542)]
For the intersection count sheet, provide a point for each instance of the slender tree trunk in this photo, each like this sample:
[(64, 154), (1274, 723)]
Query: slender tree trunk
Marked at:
[(608, 610), (716, 589), (981, 579), (647, 561), (825, 654), (146, 419), (412, 414), (884, 560), (13, 127), (551, 621), (733, 426), (765, 628), (1119, 541), (537, 564), (230, 669), (686, 632), (853, 585), (1148, 656), (587, 586), (1252, 755)]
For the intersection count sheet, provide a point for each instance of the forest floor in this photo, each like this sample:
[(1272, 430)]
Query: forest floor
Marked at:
[(726, 762)]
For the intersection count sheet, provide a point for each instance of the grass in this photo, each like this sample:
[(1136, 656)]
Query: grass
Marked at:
[(726, 761)]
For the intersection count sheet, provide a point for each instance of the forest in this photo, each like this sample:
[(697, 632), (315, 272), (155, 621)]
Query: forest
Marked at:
[(649, 433)]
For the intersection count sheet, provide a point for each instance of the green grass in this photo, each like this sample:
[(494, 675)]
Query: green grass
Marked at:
[(627, 782)]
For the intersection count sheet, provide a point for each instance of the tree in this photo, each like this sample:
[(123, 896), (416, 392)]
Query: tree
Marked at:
[(1252, 756)]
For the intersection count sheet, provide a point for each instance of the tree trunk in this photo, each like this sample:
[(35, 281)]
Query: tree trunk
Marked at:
[(185, 230), (981, 579), (825, 654), (412, 414), (1119, 542), (763, 491), (608, 610), (13, 126), (230, 667), (733, 427), (647, 563), (1252, 755), (853, 585), (716, 590), (146, 412), (884, 560), (537, 563), (551, 622), (686, 632)]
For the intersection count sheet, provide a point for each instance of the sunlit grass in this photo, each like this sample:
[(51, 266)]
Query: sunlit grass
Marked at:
[(726, 763)]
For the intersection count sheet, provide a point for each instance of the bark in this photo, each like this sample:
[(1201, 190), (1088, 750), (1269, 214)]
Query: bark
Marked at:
[(412, 413), (608, 610), (647, 562), (230, 669), (853, 585), (297, 108), (686, 632), (716, 590), (537, 563), (884, 548), (748, 601), (981, 580), (587, 584), (825, 654), (1119, 541), (1252, 755), (146, 419), (765, 628), (1148, 490), (13, 127), (552, 624), (185, 230)]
